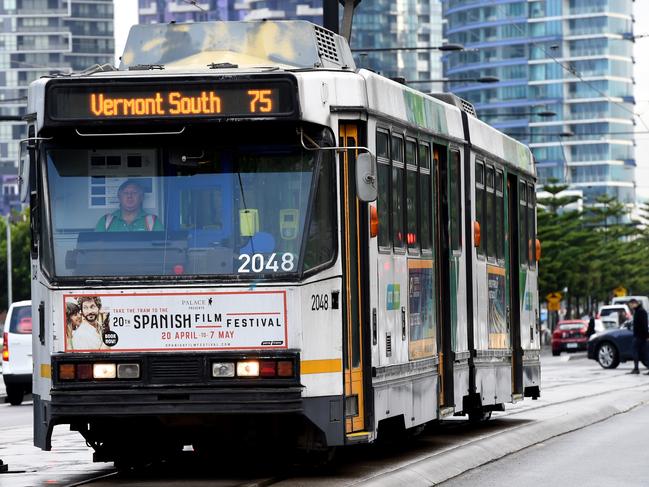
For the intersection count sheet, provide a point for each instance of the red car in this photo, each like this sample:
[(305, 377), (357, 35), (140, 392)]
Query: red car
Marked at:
[(569, 336)]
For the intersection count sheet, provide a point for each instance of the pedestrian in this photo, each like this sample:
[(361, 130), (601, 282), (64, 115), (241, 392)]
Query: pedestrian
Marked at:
[(640, 333), (621, 317), (591, 327)]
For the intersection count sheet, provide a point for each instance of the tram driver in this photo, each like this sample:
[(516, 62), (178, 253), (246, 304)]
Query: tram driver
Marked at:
[(130, 216)]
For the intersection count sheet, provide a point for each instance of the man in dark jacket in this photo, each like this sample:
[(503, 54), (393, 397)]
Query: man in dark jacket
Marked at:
[(640, 333)]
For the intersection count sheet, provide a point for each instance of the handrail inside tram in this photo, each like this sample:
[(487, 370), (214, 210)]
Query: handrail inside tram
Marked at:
[(336, 148)]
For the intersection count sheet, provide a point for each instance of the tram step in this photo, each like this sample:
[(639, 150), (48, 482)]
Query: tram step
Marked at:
[(358, 437), (444, 412)]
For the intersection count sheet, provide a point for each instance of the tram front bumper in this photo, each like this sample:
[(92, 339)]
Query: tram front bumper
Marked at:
[(175, 400)]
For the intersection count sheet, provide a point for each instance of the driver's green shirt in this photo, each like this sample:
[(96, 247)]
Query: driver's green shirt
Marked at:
[(117, 224)]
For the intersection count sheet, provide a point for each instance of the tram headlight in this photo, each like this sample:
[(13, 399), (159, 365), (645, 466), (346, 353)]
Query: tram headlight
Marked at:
[(128, 371), (223, 369), (104, 371), (249, 368)]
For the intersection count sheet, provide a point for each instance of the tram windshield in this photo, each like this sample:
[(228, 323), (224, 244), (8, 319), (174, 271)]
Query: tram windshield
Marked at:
[(189, 209)]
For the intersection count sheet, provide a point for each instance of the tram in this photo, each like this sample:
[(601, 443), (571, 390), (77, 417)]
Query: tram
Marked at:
[(238, 235)]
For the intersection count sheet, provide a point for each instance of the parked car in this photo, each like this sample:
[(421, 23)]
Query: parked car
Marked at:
[(613, 346), (625, 300), (570, 335), (615, 310), (17, 365)]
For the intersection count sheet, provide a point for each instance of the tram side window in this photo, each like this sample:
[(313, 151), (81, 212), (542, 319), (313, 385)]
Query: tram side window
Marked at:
[(455, 201), (383, 203), (320, 243), (500, 216), (425, 220), (398, 220), (382, 145), (412, 200), (531, 227), (479, 205), (491, 215), (522, 222)]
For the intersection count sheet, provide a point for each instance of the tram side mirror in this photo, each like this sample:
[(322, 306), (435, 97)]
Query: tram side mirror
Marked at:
[(366, 185), (23, 170)]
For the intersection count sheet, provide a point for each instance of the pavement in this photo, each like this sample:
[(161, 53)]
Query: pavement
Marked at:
[(607, 454)]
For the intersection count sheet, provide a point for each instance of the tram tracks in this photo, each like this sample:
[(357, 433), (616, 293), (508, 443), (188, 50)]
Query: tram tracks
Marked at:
[(116, 477), (175, 472)]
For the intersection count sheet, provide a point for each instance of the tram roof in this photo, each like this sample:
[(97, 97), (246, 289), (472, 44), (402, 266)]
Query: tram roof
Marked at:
[(286, 44), (442, 118)]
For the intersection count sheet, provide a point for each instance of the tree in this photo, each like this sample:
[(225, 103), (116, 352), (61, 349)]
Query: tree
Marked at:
[(20, 248), (590, 252)]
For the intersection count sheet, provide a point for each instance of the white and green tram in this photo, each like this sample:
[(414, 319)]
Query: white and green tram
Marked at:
[(239, 235)]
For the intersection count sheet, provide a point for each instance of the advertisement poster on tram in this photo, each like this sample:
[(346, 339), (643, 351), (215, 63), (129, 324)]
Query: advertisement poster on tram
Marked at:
[(177, 321), (421, 307), (498, 337)]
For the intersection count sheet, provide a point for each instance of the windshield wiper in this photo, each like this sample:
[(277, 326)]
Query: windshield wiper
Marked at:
[(145, 67), (222, 66)]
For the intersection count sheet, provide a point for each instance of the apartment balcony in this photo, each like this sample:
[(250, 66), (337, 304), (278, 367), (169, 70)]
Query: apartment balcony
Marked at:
[(44, 12), (62, 47)]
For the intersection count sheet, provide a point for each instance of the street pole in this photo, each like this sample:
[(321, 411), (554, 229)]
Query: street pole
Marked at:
[(330, 15), (9, 264)]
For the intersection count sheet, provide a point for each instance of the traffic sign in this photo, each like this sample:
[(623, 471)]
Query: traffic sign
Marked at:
[(555, 296), (619, 291), (554, 301)]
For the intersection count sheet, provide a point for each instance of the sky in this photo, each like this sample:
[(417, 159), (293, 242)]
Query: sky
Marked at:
[(126, 16)]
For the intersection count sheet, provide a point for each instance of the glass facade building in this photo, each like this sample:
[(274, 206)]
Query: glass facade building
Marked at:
[(569, 57), (42, 37), (158, 11), (377, 24), (400, 23)]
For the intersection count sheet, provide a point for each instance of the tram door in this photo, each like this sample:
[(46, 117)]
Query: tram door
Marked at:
[(514, 307), (354, 251), (443, 251)]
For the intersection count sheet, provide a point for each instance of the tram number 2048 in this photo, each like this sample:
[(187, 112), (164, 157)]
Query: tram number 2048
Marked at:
[(259, 262), (319, 302)]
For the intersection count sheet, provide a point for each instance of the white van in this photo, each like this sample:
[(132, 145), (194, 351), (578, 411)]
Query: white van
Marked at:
[(625, 300), (17, 364)]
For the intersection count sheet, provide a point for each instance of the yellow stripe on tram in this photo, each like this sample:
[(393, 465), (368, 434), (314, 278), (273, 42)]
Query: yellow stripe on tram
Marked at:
[(420, 264), (325, 366), (46, 371)]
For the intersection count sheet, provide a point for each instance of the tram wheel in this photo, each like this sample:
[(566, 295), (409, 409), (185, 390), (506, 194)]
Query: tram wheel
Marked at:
[(316, 459), (479, 415)]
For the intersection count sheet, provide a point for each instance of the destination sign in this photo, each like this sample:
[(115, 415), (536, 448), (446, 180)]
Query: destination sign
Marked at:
[(172, 100)]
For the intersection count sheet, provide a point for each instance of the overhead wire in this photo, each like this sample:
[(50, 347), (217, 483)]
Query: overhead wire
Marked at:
[(574, 71)]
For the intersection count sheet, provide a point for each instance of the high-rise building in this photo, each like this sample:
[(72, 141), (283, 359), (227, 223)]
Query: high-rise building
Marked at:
[(162, 11), (42, 37), (158, 11), (377, 24), (401, 24), (572, 58)]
